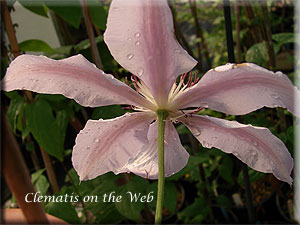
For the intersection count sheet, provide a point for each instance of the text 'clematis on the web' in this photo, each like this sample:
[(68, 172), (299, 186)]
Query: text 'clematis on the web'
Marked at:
[(140, 36)]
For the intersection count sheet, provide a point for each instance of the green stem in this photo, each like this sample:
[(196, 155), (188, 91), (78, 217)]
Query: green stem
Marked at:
[(162, 115)]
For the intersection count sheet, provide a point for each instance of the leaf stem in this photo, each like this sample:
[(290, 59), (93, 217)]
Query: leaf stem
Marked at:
[(162, 115)]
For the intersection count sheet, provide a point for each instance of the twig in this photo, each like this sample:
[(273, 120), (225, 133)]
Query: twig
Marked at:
[(77, 192), (50, 171), (194, 13), (10, 29), (272, 59), (180, 37), (230, 50), (237, 30), (200, 33), (12, 37), (90, 31), (17, 176)]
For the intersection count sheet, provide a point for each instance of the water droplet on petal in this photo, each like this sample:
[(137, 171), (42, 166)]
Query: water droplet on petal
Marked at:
[(255, 143), (236, 154), (197, 133), (129, 39), (236, 147), (137, 34), (275, 96), (242, 137), (88, 147), (254, 154), (129, 56), (140, 71), (138, 43), (204, 104), (96, 140), (215, 138), (226, 67)]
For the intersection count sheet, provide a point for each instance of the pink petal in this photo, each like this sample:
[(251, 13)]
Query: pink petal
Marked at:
[(73, 77), (140, 36), (240, 89), (108, 145), (255, 146), (145, 163)]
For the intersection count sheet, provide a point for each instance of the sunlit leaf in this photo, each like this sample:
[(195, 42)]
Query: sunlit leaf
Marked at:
[(42, 125), (35, 45), (64, 211)]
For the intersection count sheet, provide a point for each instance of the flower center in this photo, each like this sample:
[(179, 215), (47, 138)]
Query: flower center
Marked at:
[(186, 81)]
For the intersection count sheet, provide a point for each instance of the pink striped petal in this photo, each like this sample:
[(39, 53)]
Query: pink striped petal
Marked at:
[(140, 36), (108, 145), (73, 77), (145, 163), (255, 146), (240, 89)]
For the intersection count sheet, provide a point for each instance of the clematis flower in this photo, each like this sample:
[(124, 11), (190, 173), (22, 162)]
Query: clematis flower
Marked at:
[(140, 36)]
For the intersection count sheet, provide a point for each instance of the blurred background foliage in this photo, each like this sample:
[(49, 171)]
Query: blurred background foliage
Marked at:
[(212, 187)]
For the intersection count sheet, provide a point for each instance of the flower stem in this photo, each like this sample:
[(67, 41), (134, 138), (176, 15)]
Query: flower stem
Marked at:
[(162, 115)]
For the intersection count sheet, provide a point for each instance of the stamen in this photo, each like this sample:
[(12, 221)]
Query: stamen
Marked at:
[(178, 89), (141, 87)]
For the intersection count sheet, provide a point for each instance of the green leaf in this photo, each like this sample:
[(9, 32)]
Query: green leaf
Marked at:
[(253, 176), (35, 45), (98, 13), (170, 196), (40, 182), (35, 6), (15, 111), (42, 124), (258, 54), (129, 209), (283, 38), (64, 211), (107, 112), (223, 201), (42, 185), (36, 175), (195, 213), (225, 169), (71, 13)]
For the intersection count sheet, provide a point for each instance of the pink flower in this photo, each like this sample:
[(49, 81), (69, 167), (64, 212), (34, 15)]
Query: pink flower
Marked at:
[(140, 37)]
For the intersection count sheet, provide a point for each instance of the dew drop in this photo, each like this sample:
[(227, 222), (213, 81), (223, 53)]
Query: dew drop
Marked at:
[(236, 154), (138, 43), (275, 96), (254, 154), (129, 56), (96, 140), (226, 67), (140, 71), (88, 147), (242, 138), (137, 34), (206, 144), (204, 104), (129, 39), (236, 147), (198, 133), (215, 138), (255, 143)]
